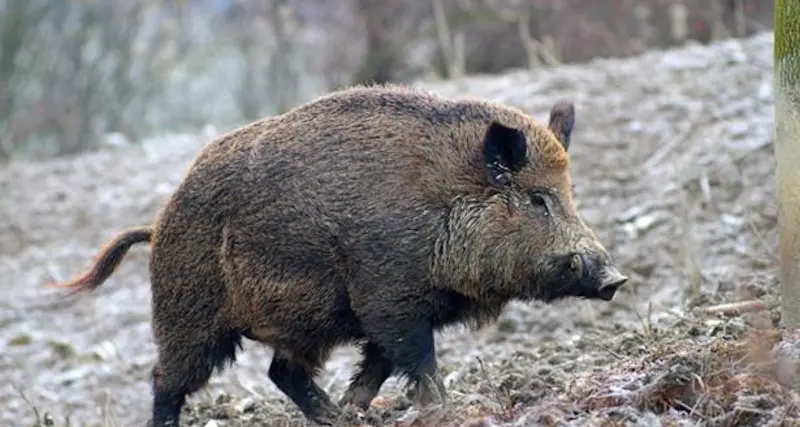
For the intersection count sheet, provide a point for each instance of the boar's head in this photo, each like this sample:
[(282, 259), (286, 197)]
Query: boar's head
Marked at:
[(521, 236)]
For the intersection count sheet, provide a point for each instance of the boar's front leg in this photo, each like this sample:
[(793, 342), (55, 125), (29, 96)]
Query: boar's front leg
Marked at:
[(407, 341), (372, 373), (295, 380)]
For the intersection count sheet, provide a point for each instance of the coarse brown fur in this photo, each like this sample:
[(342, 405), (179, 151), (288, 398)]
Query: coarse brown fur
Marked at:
[(372, 215)]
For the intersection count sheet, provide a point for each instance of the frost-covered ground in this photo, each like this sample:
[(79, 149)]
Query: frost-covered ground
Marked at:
[(673, 164)]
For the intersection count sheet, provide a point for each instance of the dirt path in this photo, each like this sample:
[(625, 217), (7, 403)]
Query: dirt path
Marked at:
[(672, 160)]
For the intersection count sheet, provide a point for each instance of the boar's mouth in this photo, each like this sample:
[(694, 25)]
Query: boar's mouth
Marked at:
[(607, 293)]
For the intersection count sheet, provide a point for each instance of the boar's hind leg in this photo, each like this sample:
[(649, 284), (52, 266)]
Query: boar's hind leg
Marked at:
[(186, 358), (372, 373), (295, 379), (409, 345)]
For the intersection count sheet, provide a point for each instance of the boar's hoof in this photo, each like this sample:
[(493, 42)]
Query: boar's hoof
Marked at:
[(429, 391), (326, 415), (358, 397)]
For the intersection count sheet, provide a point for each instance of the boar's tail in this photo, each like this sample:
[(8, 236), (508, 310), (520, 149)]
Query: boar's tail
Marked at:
[(107, 260)]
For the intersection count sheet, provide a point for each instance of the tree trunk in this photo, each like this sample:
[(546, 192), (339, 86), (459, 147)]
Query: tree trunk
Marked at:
[(382, 56), (787, 153), (12, 32)]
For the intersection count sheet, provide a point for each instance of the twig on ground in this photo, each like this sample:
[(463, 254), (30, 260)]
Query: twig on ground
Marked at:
[(762, 240), (248, 388), (503, 398), (109, 419), (649, 331), (736, 308), (36, 414), (689, 248), (668, 147)]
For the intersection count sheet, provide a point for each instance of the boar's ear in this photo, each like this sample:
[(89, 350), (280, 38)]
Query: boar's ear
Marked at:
[(562, 119), (505, 151)]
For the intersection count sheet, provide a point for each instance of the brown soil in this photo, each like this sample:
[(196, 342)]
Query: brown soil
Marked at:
[(673, 165)]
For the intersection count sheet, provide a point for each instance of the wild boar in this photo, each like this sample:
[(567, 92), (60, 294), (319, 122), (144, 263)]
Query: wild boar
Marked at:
[(374, 215)]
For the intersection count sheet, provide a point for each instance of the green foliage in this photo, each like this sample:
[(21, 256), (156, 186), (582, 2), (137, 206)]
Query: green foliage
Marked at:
[(787, 29), (787, 42)]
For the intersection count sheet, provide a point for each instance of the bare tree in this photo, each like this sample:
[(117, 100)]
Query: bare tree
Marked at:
[(282, 83), (383, 51), (73, 70), (245, 16), (450, 43), (17, 21)]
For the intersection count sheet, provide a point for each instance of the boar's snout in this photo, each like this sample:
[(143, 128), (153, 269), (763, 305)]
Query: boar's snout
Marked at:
[(611, 280), (597, 277)]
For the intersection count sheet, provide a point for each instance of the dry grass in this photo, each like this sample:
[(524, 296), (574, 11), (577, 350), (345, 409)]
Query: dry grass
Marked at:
[(44, 419), (723, 380), (713, 370)]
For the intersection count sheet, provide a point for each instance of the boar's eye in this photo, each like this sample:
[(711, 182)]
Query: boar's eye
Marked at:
[(539, 201)]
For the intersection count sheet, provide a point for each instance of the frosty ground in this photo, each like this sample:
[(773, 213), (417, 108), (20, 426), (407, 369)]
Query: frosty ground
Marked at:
[(672, 161)]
